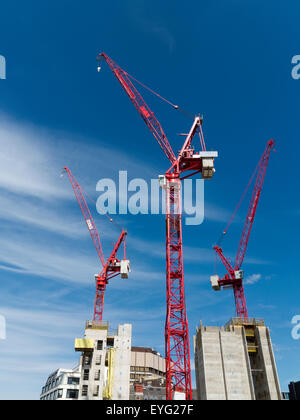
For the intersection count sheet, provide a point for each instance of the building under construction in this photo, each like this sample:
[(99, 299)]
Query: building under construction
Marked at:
[(233, 362), (105, 362), (236, 362)]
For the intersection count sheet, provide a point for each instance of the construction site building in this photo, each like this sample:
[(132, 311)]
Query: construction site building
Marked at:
[(146, 365), (147, 374), (105, 361), (236, 362)]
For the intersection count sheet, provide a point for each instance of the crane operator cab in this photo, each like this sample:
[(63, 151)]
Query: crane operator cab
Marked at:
[(208, 168)]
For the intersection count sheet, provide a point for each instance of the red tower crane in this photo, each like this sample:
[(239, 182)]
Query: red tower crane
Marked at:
[(178, 373), (113, 266), (234, 277)]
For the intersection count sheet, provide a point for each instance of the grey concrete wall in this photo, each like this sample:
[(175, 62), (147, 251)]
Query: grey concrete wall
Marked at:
[(122, 345), (222, 366), (270, 386)]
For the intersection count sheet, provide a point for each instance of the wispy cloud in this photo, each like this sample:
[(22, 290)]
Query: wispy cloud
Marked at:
[(253, 278)]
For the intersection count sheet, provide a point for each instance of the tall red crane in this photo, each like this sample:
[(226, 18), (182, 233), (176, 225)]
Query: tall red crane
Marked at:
[(177, 353), (113, 266), (234, 277)]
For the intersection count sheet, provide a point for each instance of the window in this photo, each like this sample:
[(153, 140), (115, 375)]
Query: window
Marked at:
[(58, 380), (87, 359), (99, 345), (97, 375), (98, 360), (96, 391), (72, 393), (86, 375), (110, 341), (73, 381), (84, 390), (59, 393)]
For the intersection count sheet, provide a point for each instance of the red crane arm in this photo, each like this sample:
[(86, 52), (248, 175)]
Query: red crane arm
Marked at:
[(112, 259), (262, 166), (224, 260), (141, 106), (86, 214)]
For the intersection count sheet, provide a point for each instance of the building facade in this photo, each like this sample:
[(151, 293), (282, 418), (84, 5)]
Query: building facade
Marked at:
[(147, 374), (146, 365), (105, 362), (294, 391), (63, 384), (236, 362)]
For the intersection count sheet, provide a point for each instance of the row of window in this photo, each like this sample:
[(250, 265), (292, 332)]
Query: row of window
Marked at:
[(87, 359), (57, 394), (55, 382), (86, 374), (145, 369), (85, 388)]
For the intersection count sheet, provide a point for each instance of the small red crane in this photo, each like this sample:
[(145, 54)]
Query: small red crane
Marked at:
[(234, 277), (177, 353), (113, 266)]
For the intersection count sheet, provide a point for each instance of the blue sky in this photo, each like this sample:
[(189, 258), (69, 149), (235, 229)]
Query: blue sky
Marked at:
[(228, 60)]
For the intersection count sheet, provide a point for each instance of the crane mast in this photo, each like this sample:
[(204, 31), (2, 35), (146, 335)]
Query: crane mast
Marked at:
[(113, 266), (234, 276)]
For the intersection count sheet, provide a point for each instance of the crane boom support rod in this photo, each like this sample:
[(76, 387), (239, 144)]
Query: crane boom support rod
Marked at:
[(141, 106), (224, 260), (86, 214), (262, 167)]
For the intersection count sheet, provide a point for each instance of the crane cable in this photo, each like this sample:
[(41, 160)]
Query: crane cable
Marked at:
[(93, 201), (182, 110), (103, 211), (238, 206)]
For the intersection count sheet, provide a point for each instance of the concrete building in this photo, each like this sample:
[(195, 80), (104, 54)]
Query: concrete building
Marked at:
[(236, 362), (146, 365), (147, 374), (63, 384), (105, 362)]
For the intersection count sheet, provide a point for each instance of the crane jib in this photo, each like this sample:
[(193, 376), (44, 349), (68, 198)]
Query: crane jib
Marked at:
[(124, 84)]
